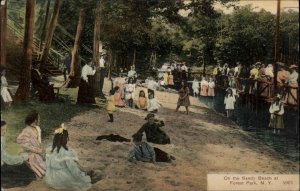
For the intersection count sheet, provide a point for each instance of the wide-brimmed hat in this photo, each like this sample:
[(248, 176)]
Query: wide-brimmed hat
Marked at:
[(150, 115), (293, 66)]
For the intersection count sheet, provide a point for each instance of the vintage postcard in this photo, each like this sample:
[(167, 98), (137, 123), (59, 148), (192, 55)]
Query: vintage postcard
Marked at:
[(149, 95)]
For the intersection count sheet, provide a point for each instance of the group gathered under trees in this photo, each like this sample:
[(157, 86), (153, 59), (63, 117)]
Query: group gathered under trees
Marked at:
[(144, 34)]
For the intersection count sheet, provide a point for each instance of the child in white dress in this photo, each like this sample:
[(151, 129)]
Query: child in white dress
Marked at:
[(63, 169), (229, 102), (152, 104), (195, 87)]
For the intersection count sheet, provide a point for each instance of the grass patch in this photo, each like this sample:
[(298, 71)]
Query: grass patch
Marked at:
[(62, 110)]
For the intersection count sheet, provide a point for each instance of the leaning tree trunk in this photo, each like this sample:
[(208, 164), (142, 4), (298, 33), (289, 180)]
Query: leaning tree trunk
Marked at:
[(3, 33), (75, 50), (96, 48), (23, 90), (43, 34), (51, 30)]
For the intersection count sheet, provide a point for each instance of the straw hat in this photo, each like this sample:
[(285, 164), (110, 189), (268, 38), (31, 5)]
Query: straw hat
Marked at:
[(293, 66)]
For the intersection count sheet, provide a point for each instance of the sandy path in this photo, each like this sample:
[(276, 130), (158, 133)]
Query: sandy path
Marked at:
[(203, 142)]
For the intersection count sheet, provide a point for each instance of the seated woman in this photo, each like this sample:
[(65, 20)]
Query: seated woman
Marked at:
[(142, 151), (153, 132), (14, 172), (152, 104), (63, 169), (30, 140)]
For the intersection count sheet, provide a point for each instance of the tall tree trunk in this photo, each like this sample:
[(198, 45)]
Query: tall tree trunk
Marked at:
[(77, 41), (97, 33), (22, 93), (45, 25), (133, 60), (51, 30), (3, 33)]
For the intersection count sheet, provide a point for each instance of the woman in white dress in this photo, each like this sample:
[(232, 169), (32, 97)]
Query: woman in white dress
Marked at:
[(6, 97), (63, 169), (211, 88), (195, 87), (229, 102), (129, 92)]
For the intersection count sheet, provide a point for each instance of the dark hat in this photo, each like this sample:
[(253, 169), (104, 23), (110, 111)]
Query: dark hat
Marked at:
[(150, 115)]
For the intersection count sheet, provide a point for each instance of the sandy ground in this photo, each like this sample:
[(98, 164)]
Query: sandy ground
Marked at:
[(203, 142)]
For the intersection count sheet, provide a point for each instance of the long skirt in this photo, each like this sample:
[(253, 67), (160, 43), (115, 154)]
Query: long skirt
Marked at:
[(203, 91), (211, 92), (277, 122), (16, 175), (86, 92), (118, 99), (5, 94), (184, 102), (161, 156)]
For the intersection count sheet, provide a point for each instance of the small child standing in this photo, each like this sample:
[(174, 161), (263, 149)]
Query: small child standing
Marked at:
[(229, 102), (110, 106), (195, 87)]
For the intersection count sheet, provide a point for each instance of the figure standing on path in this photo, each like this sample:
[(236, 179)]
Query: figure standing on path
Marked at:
[(204, 87), (276, 111), (5, 94), (183, 99), (111, 107), (211, 87), (129, 92), (67, 65), (31, 141), (229, 102), (195, 87), (171, 80), (102, 74), (86, 92)]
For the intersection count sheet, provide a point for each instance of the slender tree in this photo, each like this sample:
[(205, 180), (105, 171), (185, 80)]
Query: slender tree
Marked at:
[(2, 32), (22, 93), (51, 30), (43, 34), (75, 49)]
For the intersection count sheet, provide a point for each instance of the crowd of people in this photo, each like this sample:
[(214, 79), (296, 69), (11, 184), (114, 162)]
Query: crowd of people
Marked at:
[(258, 79)]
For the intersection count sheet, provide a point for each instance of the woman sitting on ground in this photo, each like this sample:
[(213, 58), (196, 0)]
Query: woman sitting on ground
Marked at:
[(31, 141), (14, 171), (142, 151), (142, 101), (153, 132), (63, 169)]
